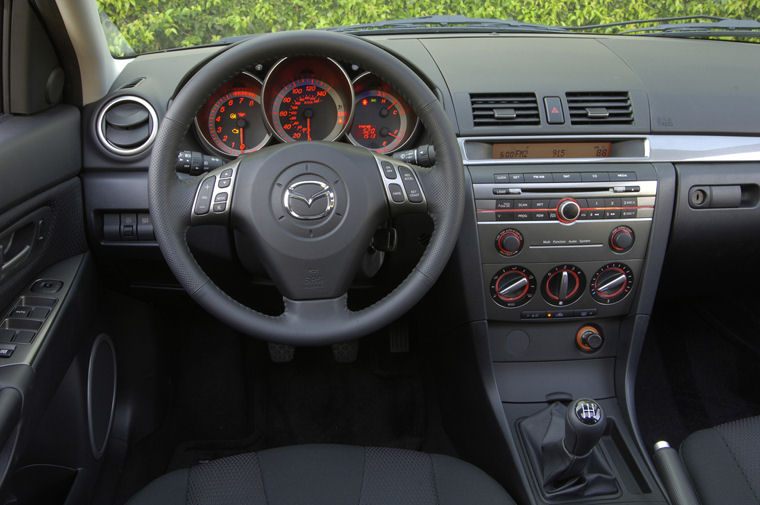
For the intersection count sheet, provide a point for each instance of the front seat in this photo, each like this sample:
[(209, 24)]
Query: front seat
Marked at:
[(724, 462), (326, 475)]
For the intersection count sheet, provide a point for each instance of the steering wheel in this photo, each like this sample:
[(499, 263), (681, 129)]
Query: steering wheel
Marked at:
[(307, 210)]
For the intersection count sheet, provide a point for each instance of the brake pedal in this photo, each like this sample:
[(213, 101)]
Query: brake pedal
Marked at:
[(281, 353)]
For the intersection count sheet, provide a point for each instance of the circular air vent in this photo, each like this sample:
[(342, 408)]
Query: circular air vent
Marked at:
[(127, 125)]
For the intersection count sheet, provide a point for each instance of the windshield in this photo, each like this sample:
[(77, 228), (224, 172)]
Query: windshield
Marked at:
[(140, 26)]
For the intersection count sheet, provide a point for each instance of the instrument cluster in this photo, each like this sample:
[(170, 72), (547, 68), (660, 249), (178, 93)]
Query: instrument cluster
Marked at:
[(302, 99)]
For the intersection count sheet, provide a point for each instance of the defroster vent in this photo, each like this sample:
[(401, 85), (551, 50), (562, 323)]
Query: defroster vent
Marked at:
[(603, 107), (504, 109)]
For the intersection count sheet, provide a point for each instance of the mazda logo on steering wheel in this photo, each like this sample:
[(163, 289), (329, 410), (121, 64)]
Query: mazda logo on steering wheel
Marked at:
[(309, 199)]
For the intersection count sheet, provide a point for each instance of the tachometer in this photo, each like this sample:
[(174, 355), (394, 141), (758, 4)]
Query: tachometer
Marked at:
[(308, 98), (309, 109), (232, 121)]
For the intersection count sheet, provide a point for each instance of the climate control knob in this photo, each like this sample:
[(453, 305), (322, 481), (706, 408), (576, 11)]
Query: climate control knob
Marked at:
[(621, 239), (611, 283), (563, 285), (509, 242), (568, 210), (513, 286)]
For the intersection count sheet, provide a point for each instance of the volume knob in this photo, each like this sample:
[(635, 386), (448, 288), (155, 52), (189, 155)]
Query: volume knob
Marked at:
[(509, 242), (568, 210)]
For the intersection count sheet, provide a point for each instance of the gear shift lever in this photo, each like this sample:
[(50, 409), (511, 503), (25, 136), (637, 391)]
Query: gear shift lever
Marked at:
[(560, 441), (585, 423)]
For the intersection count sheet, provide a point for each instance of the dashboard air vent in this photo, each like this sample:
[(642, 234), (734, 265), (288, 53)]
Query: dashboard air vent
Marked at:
[(504, 109), (127, 125), (603, 107)]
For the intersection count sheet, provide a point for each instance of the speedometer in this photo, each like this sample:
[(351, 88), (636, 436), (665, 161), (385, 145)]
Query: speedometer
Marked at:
[(308, 98), (308, 109)]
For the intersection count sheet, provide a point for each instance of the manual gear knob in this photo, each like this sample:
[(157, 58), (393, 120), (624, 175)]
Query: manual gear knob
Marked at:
[(585, 423)]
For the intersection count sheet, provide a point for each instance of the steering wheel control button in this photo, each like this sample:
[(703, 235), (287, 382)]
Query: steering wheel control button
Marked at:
[(6, 350), (388, 169), (563, 285), (413, 191), (221, 197), (509, 242), (397, 194), (203, 199), (220, 207), (513, 286), (224, 183), (226, 173), (611, 283), (621, 239)]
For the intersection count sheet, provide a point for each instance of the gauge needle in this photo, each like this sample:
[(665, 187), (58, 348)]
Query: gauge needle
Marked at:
[(392, 135), (391, 105), (242, 143), (308, 129)]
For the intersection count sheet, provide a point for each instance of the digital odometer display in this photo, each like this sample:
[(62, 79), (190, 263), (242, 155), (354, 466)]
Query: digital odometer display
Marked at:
[(546, 150)]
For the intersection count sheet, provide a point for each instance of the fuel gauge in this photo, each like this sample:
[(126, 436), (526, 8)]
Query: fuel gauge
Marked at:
[(383, 122)]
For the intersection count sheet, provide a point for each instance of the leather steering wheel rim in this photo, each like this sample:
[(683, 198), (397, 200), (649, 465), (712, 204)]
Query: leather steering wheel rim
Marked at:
[(311, 322)]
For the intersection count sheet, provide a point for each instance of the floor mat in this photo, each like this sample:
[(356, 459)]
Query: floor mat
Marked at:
[(698, 369)]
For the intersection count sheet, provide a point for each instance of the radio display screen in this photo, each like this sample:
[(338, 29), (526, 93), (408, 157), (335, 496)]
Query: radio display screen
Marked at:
[(536, 150)]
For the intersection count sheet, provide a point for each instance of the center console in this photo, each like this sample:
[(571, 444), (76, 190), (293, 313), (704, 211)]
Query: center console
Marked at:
[(571, 236), (562, 241)]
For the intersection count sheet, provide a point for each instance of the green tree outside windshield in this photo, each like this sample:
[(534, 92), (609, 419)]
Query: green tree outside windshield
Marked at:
[(152, 25)]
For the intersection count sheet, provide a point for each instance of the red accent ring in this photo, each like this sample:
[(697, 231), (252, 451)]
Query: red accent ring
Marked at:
[(614, 234), (509, 232), (559, 216), (522, 293)]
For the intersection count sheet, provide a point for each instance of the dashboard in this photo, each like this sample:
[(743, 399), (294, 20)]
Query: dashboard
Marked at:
[(304, 99)]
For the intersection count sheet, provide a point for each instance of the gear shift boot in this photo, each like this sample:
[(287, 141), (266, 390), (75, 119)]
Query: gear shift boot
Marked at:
[(561, 451)]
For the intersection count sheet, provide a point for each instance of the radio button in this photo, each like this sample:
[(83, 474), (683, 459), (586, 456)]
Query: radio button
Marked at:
[(500, 177), (596, 214), (567, 177), (612, 214), (540, 216), (629, 202), (540, 177), (523, 204), (628, 213), (612, 202), (515, 178), (622, 176), (595, 177), (540, 204), (504, 204), (596, 203), (568, 210), (523, 216)]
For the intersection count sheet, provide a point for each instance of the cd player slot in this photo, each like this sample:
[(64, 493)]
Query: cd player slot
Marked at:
[(581, 189)]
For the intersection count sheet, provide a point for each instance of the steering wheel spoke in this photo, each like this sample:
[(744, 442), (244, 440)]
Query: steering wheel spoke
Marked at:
[(213, 196), (403, 189), (302, 314)]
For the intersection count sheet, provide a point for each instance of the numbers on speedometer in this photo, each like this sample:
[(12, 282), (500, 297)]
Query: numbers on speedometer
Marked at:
[(308, 109)]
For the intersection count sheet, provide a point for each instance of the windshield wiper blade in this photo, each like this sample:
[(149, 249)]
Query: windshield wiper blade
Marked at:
[(448, 23), (725, 27), (584, 28), (714, 26)]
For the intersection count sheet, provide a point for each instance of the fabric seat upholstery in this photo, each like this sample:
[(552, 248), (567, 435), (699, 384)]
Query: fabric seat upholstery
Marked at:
[(724, 462), (327, 475)]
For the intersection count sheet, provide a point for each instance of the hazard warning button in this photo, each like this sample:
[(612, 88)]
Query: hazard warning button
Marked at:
[(554, 113)]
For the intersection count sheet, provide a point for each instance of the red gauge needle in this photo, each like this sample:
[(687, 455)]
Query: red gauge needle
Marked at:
[(391, 105), (308, 129), (392, 135), (242, 143)]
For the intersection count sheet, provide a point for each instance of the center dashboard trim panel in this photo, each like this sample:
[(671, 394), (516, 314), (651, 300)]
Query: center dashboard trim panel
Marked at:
[(654, 148)]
